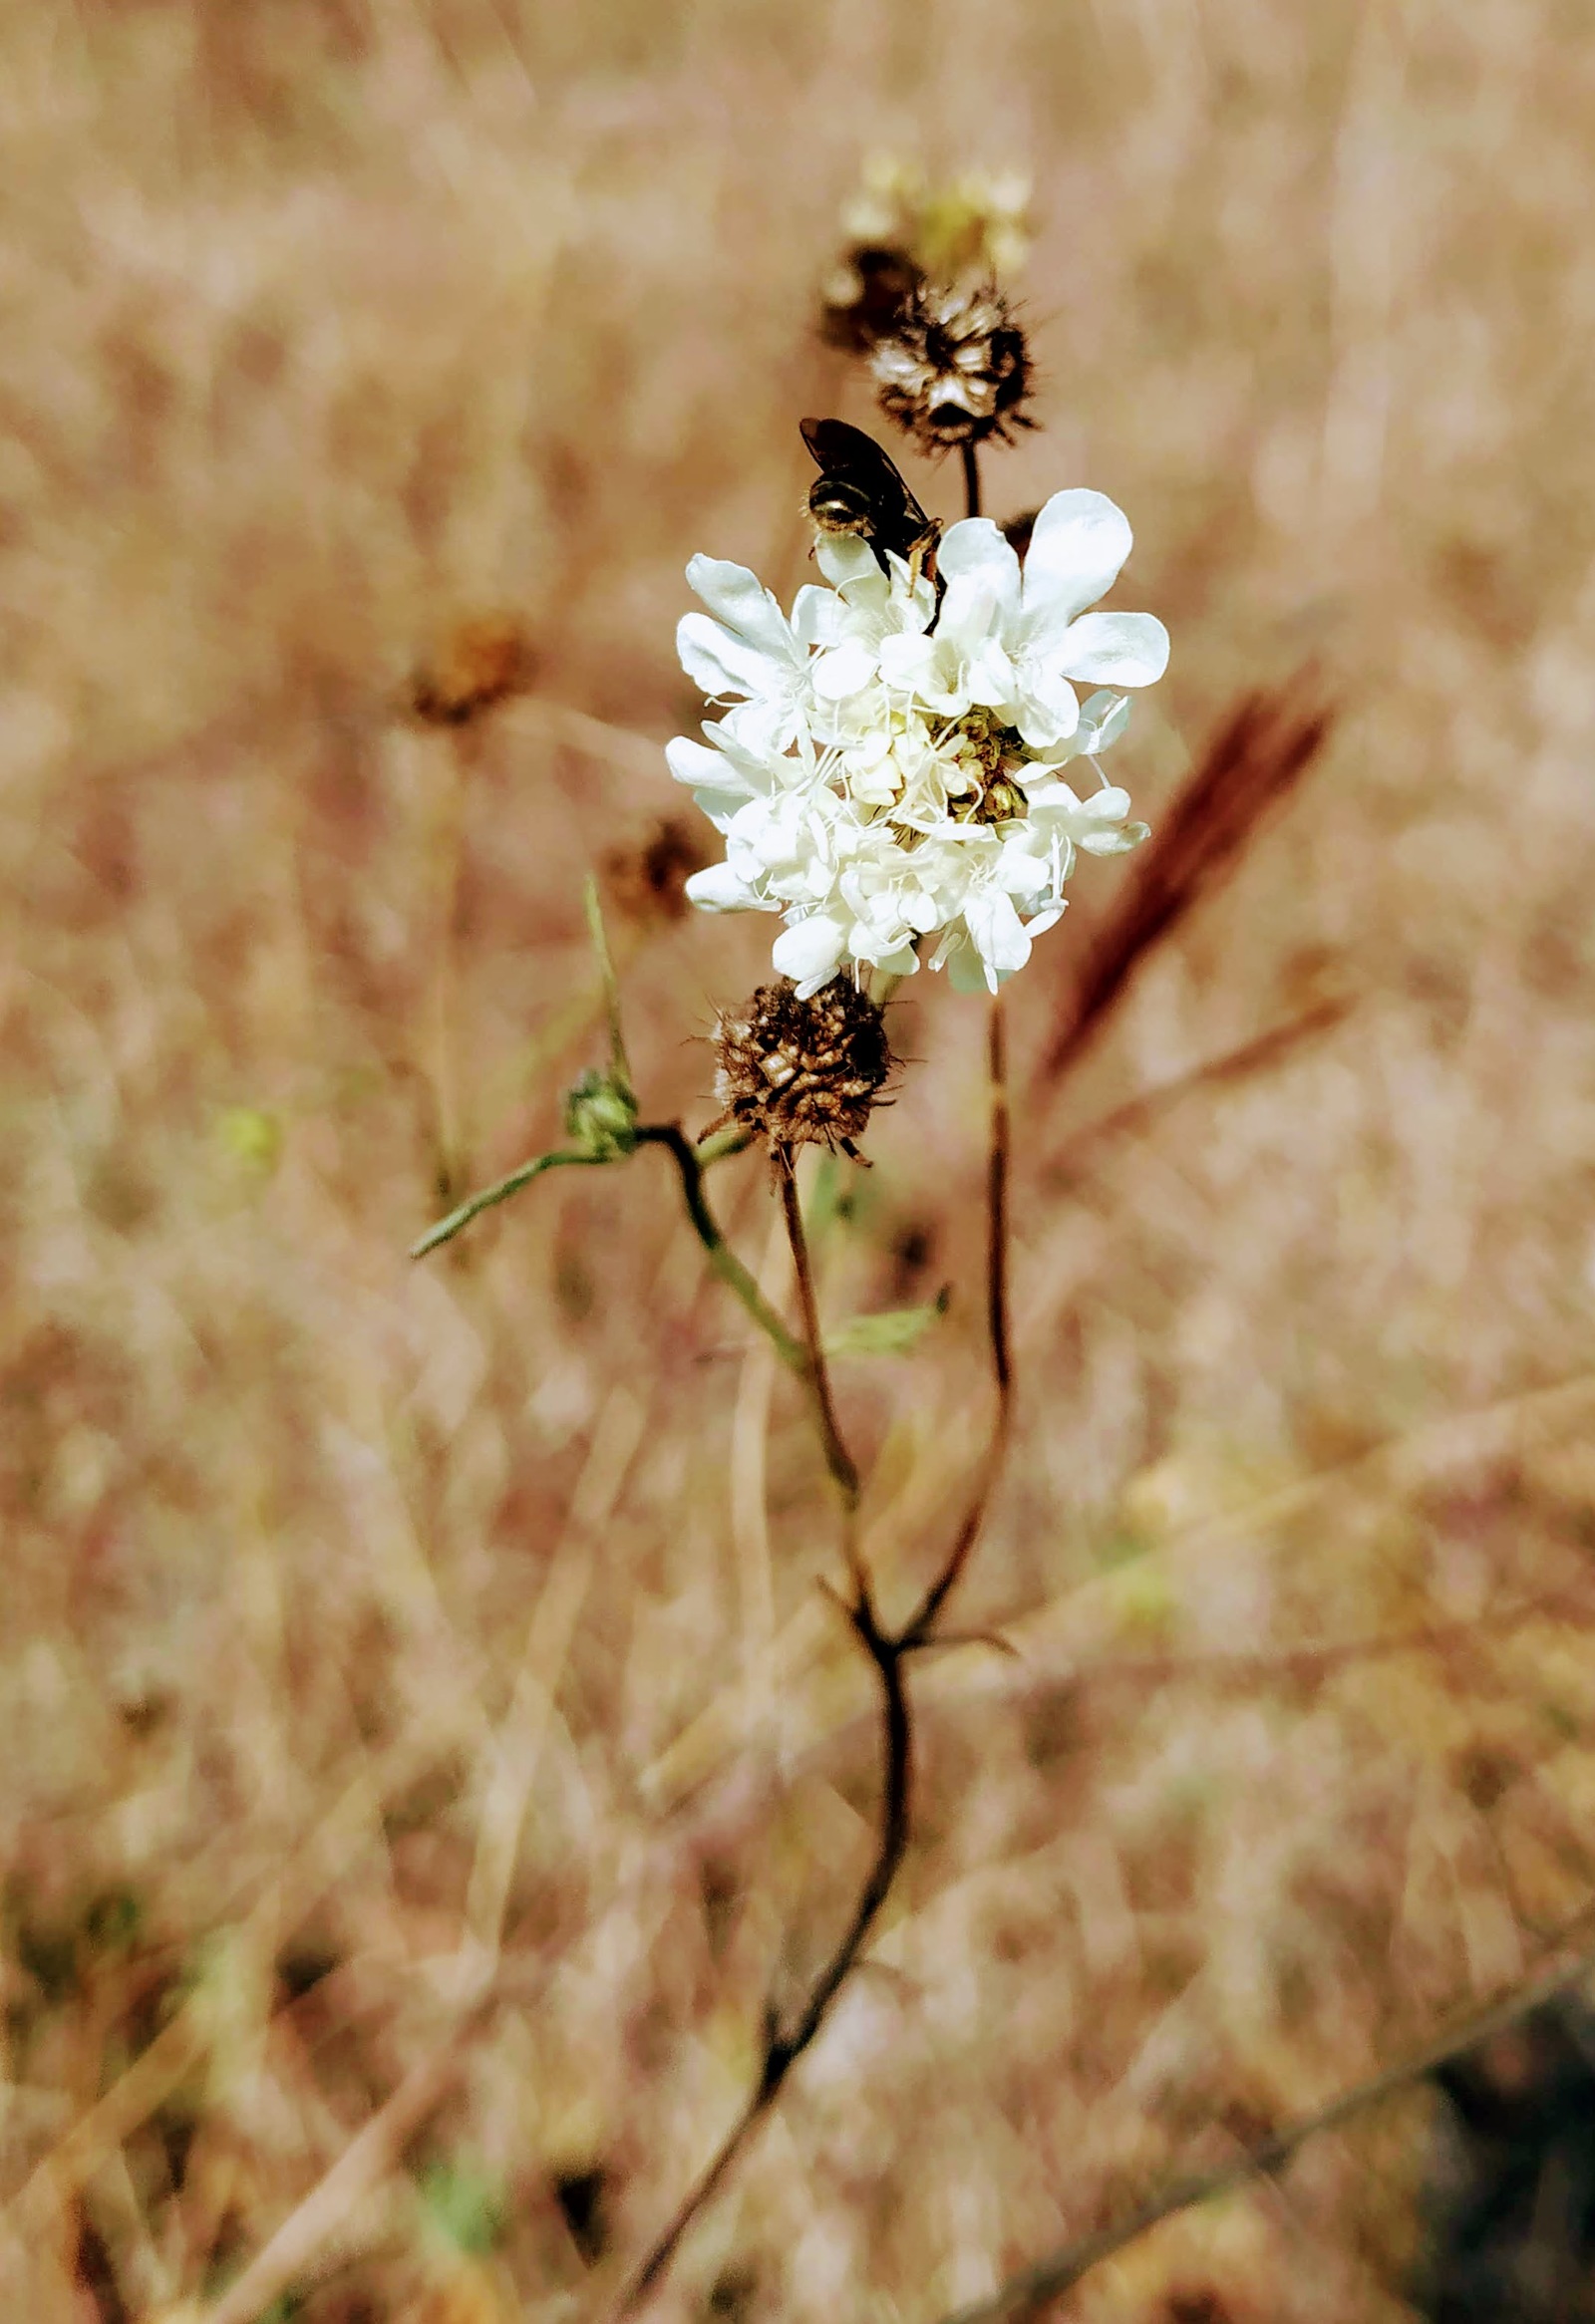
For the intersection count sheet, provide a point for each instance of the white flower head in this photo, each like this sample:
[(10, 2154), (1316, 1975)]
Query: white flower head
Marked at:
[(888, 775)]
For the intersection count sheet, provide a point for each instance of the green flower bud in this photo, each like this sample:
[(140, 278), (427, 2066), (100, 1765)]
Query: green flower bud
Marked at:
[(601, 1115)]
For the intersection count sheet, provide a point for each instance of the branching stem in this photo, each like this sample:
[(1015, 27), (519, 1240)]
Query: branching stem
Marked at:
[(888, 1653), (783, 2048), (690, 1166)]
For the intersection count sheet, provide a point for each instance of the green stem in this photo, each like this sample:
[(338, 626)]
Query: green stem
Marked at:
[(690, 1163), (619, 1064), (446, 1229)]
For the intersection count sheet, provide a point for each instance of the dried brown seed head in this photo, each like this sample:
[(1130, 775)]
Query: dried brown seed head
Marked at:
[(954, 368), (862, 300), (478, 663), (802, 1072), (647, 881)]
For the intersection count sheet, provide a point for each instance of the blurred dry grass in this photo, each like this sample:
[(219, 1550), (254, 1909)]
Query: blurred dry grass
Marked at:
[(389, 1675)]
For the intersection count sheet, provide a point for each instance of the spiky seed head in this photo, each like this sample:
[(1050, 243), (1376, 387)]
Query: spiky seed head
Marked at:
[(802, 1072), (954, 368)]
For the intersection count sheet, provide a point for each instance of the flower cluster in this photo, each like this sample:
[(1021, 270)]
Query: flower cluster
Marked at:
[(891, 770)]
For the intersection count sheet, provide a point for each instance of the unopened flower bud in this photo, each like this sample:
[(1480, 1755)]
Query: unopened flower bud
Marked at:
[(802, 1072), (954, 368), (601, 1116)]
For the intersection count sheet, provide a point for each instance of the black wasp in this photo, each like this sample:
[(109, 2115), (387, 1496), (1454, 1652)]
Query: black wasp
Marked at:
[(858, 492)]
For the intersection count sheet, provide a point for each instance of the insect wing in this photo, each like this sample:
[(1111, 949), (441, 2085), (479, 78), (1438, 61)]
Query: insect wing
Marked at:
[(849, 456)]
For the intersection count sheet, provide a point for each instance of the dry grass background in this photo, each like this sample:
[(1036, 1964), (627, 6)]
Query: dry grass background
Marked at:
[(417, 1704)]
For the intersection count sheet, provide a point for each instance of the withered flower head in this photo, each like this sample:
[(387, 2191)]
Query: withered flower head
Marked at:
[(865, 295), (954, 368), (478, 663), (802, 1072), (900, 228), (647, 880)]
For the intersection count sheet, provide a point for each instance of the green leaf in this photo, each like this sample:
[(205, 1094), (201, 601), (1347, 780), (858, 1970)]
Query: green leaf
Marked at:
[(894, 1331)]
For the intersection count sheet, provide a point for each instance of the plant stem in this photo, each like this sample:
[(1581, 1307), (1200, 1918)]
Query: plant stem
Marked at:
[(782, 2050), (888, 1653), (996, 1168), (729, 1268), (971, 479), (446, 1229), (839, 1460), (919, 1628), (691, 1162)]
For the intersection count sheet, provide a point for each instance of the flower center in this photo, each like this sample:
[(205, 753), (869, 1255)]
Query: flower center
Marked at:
[(989, 755)]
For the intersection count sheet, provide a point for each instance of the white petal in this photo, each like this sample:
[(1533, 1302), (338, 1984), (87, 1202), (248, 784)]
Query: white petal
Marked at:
[(741, 600), (817, 615), (1020, 873), (1103, 718), (1109, 805), (971, 612), (844, 670), (765, 727), (1080, 541), (701, 769), (848, 562), (1114, 841), (809, 952), (998, 934), (722, 663), (1048, 709), (976, 549), (989, 674), (718, 889), (1117, 649), (908, 662)]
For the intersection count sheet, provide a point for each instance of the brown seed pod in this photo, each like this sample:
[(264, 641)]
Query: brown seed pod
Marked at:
[(802, 1072), (481, 662), (954, 368)]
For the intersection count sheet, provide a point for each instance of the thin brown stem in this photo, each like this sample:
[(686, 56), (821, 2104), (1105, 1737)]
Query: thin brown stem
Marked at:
[(887, 1654), (971, 479), (918, 1630), (996, 1171), (839, 1460), (782, 2049)]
